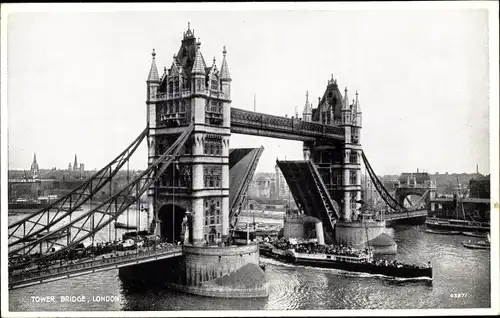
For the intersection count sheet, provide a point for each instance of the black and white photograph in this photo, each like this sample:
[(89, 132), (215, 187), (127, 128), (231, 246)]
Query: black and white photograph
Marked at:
[(229, 159)]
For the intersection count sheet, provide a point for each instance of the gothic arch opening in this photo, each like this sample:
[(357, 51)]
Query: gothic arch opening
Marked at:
[(171, 217)]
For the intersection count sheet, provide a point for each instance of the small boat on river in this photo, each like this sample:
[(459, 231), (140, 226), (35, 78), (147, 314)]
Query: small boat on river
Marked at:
[(442, 232), (362, 262), (479, 245), (475, 234)]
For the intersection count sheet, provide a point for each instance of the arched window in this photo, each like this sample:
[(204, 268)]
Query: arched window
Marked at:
[(214, 83)]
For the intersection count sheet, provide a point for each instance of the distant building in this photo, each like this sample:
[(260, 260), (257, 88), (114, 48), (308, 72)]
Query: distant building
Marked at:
[(35, 171), (480, 187), (263, 187), (75, 165), (420, 178), (281, 190)]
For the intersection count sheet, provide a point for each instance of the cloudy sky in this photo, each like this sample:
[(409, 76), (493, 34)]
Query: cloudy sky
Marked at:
[(76, 81)]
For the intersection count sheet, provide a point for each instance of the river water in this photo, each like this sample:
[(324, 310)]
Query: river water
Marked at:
[(461, 280)]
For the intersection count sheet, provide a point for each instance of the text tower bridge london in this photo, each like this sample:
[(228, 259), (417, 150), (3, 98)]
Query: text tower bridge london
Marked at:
[(196, 186)]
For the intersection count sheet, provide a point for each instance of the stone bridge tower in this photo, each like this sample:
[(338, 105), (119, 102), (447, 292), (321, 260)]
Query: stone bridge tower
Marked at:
[(191, 92), (190, 203), (338, 162)]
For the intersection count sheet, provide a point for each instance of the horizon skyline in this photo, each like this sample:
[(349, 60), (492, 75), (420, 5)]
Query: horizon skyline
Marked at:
[(452, 57), (268, 171)]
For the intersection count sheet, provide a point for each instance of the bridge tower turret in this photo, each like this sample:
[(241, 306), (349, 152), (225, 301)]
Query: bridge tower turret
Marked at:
[(152, 84), (192, 92), (356, 146), (225, 95), (347, 200)]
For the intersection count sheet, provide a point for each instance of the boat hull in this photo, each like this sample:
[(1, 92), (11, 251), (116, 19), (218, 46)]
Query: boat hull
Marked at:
[(20, 206), (483, 235), (443, 232), (446, 225), (370, 268), (476, 246)]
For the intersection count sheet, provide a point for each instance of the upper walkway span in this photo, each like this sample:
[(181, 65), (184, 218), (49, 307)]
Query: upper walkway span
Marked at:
[(260, 124)]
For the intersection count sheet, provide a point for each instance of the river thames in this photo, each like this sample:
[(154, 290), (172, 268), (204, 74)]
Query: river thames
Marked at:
[(461, 280)]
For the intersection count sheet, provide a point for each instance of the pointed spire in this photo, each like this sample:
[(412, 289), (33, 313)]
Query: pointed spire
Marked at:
[(189, 33), (34, 157), (199, 64), (346, 99), (356, 103), (224, 69), (153, 72), (75, 165), (214, 65), (307, 106)]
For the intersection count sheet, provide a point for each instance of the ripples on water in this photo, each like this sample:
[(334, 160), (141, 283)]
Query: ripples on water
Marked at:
[(456, 270)]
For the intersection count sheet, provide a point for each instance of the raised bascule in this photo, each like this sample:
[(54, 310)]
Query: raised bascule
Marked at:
[(196, 185)]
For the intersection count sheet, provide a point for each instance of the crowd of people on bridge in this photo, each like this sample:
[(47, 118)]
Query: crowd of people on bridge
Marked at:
[(81, 252)]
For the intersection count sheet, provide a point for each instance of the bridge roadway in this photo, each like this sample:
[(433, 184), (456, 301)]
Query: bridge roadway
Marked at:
[(92, 265), (404, 215)]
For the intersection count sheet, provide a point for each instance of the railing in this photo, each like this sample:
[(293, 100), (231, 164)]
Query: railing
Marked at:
[(92, 263), (430, 184)]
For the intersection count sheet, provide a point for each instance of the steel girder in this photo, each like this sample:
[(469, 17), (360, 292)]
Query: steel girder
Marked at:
[(29, 227), (382, 191), (107, 211)]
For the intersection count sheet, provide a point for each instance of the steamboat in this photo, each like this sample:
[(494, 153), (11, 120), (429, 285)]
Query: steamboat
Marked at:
[(310, 254)]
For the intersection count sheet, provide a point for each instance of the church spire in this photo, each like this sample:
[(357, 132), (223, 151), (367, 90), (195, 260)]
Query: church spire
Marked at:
[(306, 114), (224, 70), (75, 165), (153, 72), (34, 167)]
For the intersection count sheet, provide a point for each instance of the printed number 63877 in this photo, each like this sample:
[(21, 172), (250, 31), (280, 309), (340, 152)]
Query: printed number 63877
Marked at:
[(458, 295)]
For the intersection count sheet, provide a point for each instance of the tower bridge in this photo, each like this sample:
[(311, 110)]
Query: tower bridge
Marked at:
[(196, 184)]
